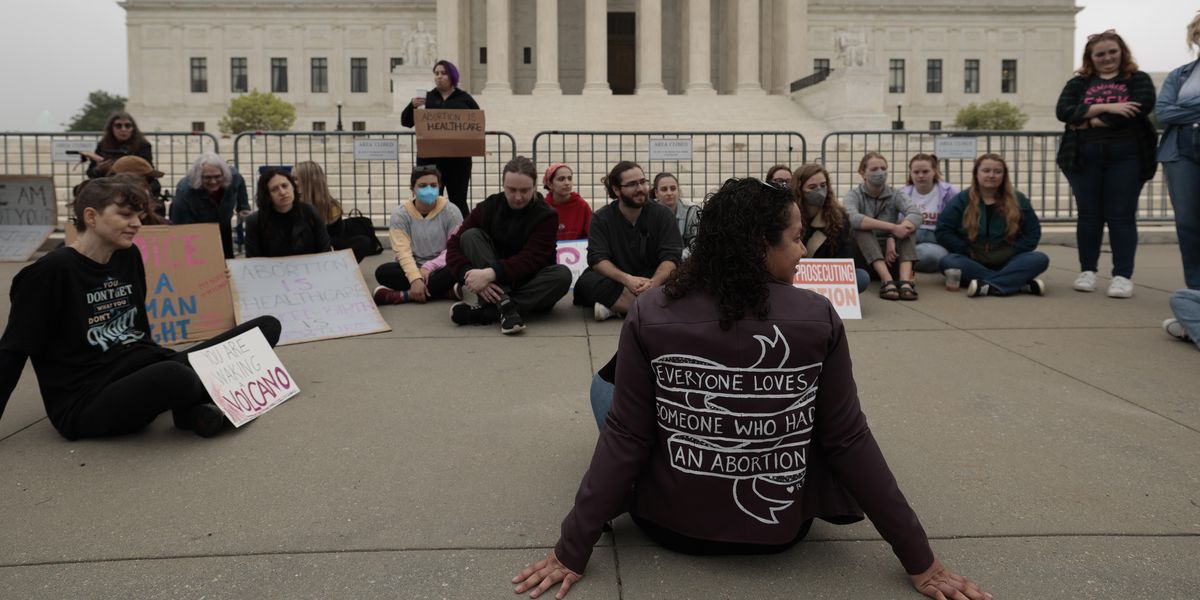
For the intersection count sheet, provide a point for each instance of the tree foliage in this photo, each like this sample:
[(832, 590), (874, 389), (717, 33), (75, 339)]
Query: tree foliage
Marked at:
[(257, 111), (95, 113), (996, 115)]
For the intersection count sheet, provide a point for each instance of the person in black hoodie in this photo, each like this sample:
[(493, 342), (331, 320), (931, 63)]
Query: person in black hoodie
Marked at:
[(827, 231), (704, 456), (282, 225), (121, 138), (456, 171)]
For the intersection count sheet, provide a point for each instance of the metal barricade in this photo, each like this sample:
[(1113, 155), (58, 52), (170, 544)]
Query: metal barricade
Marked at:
[(710, 159), (373, 179), (1030, 156), (33, 154)]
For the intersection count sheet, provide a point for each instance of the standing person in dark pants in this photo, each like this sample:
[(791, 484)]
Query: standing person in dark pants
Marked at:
[(456, 171), (633, 247), (1107, 153), (79, 314), (504, 255)]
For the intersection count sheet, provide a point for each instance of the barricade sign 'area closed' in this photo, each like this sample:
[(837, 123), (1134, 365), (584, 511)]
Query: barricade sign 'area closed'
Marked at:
[(314, 296), (28, 214), (834, 279)]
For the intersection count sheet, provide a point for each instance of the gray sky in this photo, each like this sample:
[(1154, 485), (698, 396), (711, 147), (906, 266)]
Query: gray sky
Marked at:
[(56, 51)]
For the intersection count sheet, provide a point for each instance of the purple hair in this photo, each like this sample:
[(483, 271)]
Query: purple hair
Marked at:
[(451, 70)]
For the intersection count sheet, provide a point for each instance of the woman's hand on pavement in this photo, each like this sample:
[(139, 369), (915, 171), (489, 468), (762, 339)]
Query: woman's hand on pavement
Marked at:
[(940, 583), (543, 574)]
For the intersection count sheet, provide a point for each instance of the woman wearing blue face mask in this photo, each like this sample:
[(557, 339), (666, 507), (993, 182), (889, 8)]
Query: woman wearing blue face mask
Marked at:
[(420, 227), (884, 221), (827, 231)]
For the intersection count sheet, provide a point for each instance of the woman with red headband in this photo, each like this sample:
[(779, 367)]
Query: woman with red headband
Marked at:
[(574, 213)]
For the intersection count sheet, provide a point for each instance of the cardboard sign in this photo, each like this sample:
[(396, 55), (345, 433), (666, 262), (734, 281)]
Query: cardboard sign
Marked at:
[(28, 214), (68, 150), (447, 132), (573, 255), (676, 149), (187, 293), (315, 296), (376, 149), (833, 278), (243, 376), (955, 147)]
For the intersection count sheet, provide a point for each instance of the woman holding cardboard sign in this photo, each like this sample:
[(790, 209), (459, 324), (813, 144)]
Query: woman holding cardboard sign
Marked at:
[(735, 421), (282, 225), (78, 313), (456, 171)]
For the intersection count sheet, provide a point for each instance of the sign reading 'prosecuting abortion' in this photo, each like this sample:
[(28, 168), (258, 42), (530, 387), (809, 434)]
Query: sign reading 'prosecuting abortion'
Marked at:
[(833, 278), (314, 296), (243, 376), (28, 214)]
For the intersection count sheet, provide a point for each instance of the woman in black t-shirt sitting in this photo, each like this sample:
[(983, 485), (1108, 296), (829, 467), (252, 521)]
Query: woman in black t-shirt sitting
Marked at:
[(78, 313), (282, 225)]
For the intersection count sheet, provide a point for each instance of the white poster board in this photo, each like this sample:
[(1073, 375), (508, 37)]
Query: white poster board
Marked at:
[(28, 214), (376, 149), (572, 254), (675, 149), (244, 376), (948, 147), (315, 296), (833, 278), (68, 150)]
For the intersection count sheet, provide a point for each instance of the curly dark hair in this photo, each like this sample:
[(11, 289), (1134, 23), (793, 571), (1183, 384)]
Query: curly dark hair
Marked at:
[(729, 254)]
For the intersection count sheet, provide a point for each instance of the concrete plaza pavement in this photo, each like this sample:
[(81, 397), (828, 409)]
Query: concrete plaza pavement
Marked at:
[(1050, 446)]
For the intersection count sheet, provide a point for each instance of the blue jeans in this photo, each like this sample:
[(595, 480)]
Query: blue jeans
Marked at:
[(863, 279), (1006, 281), (1107, 187), (601, 395), (1185, 304), (1183, 184), (929, 253)]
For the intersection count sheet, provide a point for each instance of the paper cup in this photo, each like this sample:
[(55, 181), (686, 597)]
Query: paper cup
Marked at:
[(953, 279)]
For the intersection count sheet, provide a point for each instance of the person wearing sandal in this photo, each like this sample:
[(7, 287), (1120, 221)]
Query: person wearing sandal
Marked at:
[(991, 232), (884, 222)]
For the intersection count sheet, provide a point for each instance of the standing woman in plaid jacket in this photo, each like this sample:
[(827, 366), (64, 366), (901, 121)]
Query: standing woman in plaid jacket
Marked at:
[(1107, 153)]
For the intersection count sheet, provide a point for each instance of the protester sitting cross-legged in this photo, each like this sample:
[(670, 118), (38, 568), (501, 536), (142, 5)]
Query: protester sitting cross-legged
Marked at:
[(574, 214), (312, 188), (78, 313), (419, 229), (634, 246), (780, 175), (827, 231), (927, 190), (282, 225), (504, 255), (665, 191), (210, 193), (884, 221), (991, 232), (691, 362)]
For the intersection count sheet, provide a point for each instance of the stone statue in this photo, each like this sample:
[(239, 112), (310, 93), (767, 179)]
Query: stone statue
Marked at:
[(851, 46), (420, 48)]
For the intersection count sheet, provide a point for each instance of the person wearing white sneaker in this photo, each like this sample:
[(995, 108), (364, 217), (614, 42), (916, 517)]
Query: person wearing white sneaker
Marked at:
[(992, 234), (634, 245), (1185, 305), (1086, 282), (1107, 152)]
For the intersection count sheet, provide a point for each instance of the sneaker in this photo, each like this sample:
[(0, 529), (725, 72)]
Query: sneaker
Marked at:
[(510, 320), (1035, 286), (978, 288), (466, 295), (601, 312), (1120, 287), (1086, 282), (466, 314), (1175, 329), (386, 295)]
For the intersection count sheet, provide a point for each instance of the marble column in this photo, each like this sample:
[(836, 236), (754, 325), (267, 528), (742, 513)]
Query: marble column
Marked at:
[(595, 24), (649, 48), (498, 16), (449, 39), (747, 49), (699, 49), (547, 49)]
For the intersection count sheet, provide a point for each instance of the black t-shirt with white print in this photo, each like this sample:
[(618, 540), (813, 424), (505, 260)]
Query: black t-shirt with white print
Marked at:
[(83, 324)]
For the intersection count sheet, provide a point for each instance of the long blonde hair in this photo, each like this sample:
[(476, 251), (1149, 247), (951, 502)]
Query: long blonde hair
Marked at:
[(1007, 202), (311, 183), (1193, 32)]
